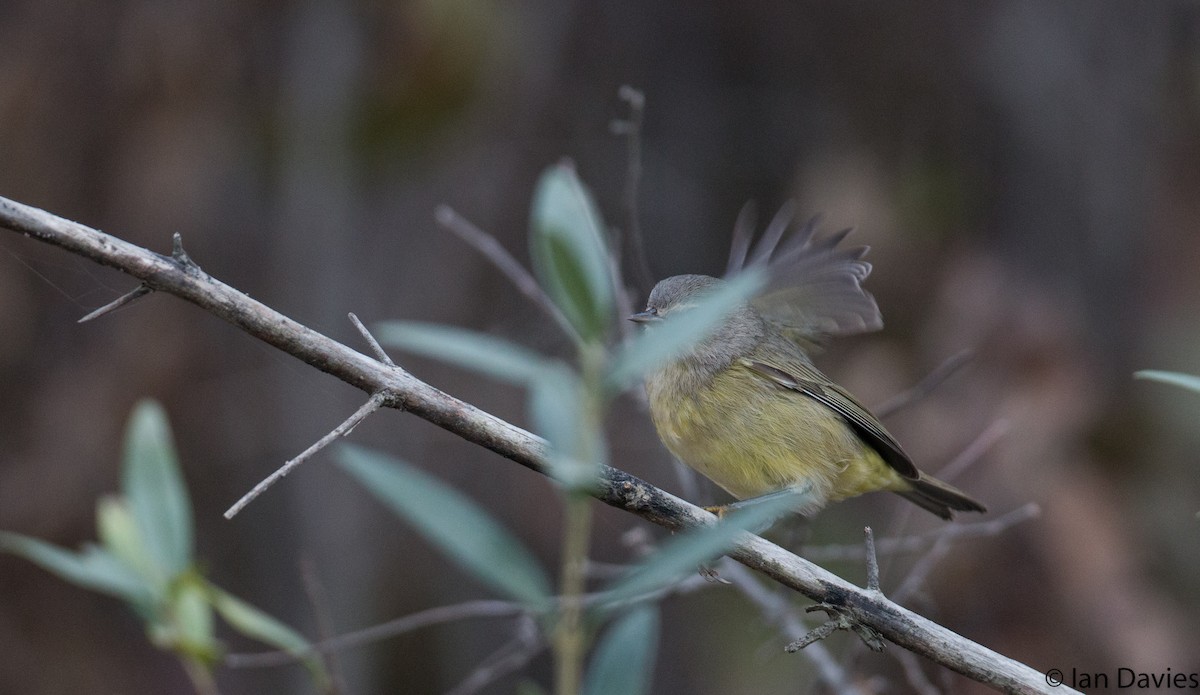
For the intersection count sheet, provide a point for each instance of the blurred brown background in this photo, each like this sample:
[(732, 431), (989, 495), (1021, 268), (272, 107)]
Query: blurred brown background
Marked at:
[(1026, 174)]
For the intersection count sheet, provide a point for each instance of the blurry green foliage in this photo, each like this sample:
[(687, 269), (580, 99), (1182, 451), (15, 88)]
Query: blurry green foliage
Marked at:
[(145, 558), (574, 266), (1187, 381)]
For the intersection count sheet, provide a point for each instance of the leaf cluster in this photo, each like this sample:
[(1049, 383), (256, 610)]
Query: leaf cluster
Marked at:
[(145, 558)]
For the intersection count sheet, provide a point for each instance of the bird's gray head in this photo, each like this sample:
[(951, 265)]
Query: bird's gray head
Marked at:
[(736, 336)]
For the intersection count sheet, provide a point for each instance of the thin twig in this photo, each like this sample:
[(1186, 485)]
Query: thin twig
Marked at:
[(376, 401), (514, 654), (775, 608), (925, 565), (631, 128), (919, 542), (969, 456), (925, 386), (446, 614), (921, 570), (624, 302), (129, 297), (974, 451), (382, 631), (839, 619), (613, 486), (915, 676), (315, 592), (380, 353), (512, 269), (815, 635)]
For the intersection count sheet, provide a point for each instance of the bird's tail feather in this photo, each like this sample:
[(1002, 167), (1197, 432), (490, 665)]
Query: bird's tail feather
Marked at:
[(940, 498)]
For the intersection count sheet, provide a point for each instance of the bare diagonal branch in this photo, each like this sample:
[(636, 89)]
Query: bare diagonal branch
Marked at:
[(617, 488), (512, 269)]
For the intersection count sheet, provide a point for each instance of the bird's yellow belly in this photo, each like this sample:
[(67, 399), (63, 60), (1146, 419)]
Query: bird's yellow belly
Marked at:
[(752, 441)]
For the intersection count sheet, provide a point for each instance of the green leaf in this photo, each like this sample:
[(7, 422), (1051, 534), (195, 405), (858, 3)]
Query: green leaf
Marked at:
[(452, 522), (261, 626), (657, 344), (556, 408), (623, 663), (1187, 381), (92, 568), (570, 256), (154, 489), (684, 552), (193, 620), (476, 351), (119, 535)]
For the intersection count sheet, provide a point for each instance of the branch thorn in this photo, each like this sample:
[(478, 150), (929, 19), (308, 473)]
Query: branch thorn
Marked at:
[(136, 293), (375, 346), (375, 403), (180, 255), (872, 561)]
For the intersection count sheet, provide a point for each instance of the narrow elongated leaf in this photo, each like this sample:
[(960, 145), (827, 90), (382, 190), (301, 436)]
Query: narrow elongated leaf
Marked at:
[(1187, 381), (193, 619), (261, 626), (120, 536), (154, 489), (92, 568), (455, 524), (570, 256), (556, 407), (479, 352), (657, 344), (684, 552), (623, 663)]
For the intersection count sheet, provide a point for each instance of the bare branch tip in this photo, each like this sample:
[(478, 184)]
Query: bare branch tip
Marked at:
[(635, 97), (380, 354), (872, 561), (136, 293), (445, 215), (374, 403), (178, 253)]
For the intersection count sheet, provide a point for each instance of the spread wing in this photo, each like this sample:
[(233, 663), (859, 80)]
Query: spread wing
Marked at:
[(814, 289), (803, 378)]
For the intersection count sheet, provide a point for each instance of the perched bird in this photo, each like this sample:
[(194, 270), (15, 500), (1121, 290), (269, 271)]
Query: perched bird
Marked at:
[(746, 407)]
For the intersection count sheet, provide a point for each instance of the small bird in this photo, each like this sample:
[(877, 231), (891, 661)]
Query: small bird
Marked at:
[(746, 407)]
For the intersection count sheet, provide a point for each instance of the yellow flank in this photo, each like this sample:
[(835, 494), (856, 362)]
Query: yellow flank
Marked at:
[(757, 437)]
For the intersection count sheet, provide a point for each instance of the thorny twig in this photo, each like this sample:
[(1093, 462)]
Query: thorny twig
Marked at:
[(631, 128), (614, 487), (512, 269), (926, 385), (839, 617), (525, 644), (375, 402)]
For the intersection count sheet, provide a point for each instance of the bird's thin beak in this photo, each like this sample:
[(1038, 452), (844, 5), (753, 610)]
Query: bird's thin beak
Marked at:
[(645, 317)]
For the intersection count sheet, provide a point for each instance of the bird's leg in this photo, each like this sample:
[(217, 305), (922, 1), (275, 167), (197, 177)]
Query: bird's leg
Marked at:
[(721, 510)]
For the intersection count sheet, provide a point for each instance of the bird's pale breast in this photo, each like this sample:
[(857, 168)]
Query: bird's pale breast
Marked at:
[(751, 437)]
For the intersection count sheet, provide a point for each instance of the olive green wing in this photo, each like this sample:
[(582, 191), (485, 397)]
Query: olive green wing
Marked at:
[(796, 375)]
